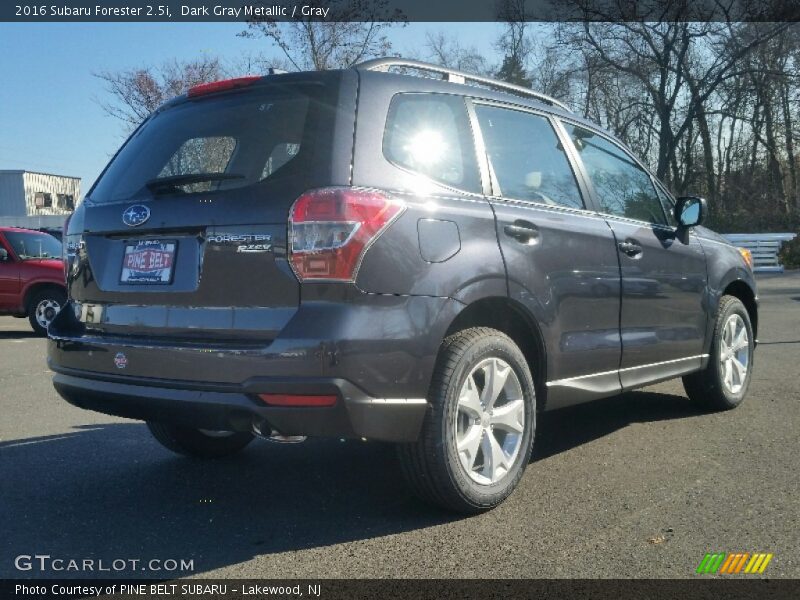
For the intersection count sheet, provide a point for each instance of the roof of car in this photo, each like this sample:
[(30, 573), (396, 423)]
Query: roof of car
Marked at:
[(455, 76), (485, 88), (405, 82)]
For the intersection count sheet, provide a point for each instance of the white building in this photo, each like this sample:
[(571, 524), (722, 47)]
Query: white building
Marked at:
[(37, 200)]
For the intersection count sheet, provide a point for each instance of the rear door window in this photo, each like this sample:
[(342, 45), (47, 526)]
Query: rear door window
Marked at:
[(430, 134)]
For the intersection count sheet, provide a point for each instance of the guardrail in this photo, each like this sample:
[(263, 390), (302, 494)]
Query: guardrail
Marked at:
[(764, 247)]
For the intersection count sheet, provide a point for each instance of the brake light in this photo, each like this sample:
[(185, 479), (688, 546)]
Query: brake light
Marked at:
[(332, 228), (296, 400), (221, 86)]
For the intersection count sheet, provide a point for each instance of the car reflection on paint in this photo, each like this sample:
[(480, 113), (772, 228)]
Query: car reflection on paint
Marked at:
[(586, 282)]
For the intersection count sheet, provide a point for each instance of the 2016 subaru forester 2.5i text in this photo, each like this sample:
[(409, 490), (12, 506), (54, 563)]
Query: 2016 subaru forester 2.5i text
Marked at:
[(426, 260)]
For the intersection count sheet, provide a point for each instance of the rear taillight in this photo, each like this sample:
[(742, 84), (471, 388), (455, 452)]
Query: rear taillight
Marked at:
[(331, 228)]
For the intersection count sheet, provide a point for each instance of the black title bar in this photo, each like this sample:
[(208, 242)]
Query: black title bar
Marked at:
[(394, 10), (733, 588)]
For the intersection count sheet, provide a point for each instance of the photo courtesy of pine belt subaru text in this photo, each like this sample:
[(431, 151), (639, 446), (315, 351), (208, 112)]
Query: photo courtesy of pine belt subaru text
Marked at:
[(397, 252)]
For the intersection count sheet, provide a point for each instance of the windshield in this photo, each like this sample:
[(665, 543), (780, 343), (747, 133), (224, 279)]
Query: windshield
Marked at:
[(208, 144), (33, 245)]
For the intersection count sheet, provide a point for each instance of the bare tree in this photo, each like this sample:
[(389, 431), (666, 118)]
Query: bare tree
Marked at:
[(135, 93), (255, 63), (664, 58), (355, 30), (448, 51), (513, 44)]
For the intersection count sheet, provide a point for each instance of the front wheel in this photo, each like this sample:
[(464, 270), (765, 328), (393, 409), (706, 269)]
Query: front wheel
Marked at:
[(199, 443), (722, 385), (478, 433)]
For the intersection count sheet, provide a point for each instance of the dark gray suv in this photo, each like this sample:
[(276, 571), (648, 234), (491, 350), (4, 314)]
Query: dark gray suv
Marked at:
[(397, 252)]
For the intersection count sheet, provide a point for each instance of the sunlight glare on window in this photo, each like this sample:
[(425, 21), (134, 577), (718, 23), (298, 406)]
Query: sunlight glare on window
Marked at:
[(426, 147)]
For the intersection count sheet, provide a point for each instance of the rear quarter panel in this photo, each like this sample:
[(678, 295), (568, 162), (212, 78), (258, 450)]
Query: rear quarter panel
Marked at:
[(396, 263)]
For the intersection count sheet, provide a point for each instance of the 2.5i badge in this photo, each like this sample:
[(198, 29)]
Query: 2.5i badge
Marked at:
[(244, 242)]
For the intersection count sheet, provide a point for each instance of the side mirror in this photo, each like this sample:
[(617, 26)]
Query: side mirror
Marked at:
[(3, 255), (690, 211)]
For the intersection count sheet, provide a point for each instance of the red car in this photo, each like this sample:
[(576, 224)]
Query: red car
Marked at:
[(31, 276)]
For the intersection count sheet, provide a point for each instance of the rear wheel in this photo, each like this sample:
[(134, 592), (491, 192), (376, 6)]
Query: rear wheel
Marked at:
[(199, 443), (722, 385), (478, 434), (43, 308)]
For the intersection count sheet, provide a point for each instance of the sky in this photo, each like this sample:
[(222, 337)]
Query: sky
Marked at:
[(50, 118)]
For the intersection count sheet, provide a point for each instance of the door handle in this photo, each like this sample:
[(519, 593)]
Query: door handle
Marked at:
[(630, 248), (522, 231)]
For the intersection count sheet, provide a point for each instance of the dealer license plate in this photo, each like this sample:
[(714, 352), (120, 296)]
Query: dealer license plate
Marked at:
[(149, 261)]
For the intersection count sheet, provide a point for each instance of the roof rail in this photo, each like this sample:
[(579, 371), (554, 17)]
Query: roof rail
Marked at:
[(452, 75)]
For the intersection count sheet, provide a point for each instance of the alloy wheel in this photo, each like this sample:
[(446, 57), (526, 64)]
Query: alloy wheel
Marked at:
[(734, 353), (489, 421)]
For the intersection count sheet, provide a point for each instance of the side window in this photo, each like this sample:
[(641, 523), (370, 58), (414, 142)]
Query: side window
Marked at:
[(622, 186), (528, 160), (430, 134)]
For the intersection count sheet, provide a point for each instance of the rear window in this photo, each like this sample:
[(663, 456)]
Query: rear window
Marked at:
[(430, 134), (209, 144)]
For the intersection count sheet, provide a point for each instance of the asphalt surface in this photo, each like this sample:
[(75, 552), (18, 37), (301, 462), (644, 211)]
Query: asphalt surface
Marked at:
[(641, 485)]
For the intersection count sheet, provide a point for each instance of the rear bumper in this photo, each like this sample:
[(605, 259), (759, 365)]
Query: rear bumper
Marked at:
[(237, 408), (376, 353)]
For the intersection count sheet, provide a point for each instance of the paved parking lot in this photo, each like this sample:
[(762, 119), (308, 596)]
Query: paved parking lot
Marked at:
[(641, 485)]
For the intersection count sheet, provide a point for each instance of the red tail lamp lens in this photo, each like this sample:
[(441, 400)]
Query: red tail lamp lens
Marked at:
[(331, 229), (295, 400)]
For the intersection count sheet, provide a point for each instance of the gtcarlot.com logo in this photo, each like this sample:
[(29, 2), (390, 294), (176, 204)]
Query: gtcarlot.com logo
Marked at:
[(732, 563), (44, 563)]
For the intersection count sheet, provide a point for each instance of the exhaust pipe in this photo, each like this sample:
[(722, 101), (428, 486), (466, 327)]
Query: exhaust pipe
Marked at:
[(264, 431)]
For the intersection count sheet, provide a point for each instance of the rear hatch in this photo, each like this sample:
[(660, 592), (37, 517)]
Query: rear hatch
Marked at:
[(184, 234)]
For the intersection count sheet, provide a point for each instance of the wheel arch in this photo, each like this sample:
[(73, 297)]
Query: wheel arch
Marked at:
[(36, 287), (741, 290), (510, 317)]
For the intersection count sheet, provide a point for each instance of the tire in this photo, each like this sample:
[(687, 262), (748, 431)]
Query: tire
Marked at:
[(43, 306), (433, 467), (196, 442), (714, 388)]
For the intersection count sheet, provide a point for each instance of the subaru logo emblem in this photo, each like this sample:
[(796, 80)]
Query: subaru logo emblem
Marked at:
[(135, 215)]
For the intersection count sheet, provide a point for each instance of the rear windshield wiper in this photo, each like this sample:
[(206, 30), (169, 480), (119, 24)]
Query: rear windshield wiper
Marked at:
[(172, 183)]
